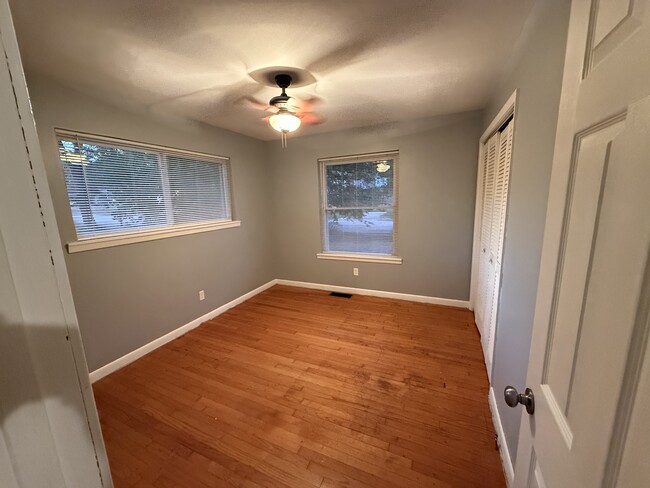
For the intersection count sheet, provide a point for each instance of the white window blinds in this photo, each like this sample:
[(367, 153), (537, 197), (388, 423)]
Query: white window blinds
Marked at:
[(359, 204), (117, 187)]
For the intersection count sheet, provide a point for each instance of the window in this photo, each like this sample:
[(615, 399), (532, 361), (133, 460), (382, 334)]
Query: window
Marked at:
[(359, 207), (122, 192)]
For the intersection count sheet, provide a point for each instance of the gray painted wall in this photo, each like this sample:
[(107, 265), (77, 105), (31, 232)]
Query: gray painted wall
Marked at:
[(437, 185), (536, 71), (129, 295)]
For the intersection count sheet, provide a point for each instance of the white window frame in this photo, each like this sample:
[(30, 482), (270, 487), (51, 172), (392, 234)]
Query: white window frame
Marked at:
[(131, 237), (352, 256)]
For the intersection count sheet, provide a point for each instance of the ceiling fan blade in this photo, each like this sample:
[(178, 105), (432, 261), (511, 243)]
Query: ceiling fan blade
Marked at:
[(309, 118), (209, 100), (293, 105), (238, 91), (253, 103), (205, 92), (308, 104), (341, 56), (405, 22)]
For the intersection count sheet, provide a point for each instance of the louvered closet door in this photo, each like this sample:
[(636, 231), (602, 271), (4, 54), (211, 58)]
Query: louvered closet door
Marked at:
[(497, 235), (490, 153)]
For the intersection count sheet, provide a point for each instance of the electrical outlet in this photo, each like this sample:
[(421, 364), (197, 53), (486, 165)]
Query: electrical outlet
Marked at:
[(201, 294), (355, 271)]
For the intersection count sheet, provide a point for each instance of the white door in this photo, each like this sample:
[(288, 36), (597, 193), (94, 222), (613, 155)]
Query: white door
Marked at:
[(590, 365)]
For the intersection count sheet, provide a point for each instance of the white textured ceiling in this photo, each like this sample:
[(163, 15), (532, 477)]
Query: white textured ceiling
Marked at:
[(374, 61)]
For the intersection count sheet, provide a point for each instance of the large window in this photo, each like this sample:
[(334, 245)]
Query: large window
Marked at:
[(359, 207), (118, 189)]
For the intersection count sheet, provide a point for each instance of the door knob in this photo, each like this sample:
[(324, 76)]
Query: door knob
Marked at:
[(513, 398)]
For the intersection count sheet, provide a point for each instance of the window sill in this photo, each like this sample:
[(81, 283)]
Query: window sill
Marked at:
[(151, 235), (362, 258)]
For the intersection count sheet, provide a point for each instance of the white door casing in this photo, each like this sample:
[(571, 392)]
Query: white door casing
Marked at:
[(589, 363)]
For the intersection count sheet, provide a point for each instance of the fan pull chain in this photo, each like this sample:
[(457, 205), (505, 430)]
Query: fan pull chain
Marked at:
[(284, 139)]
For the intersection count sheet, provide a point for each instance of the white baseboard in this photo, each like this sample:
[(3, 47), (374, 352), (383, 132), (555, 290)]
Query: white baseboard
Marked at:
[(506, 461), (98, 374), (378, 293)]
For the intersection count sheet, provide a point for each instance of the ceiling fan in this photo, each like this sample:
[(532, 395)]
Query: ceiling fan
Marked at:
[(288, 114), (216, 103)]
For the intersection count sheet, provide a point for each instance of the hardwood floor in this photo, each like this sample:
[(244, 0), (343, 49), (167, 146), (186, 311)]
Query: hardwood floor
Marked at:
[(295, 388)]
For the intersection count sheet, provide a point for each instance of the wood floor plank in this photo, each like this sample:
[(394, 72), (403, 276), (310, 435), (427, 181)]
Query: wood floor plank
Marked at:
[(298, 389)]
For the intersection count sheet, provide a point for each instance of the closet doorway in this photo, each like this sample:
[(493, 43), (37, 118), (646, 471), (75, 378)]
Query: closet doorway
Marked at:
[(490, 224)]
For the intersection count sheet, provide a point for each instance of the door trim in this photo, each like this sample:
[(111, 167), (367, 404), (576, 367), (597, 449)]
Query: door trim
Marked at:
[(506, 461)]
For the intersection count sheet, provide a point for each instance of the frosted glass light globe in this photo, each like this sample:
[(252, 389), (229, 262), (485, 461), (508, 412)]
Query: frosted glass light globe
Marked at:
[(284, 121)]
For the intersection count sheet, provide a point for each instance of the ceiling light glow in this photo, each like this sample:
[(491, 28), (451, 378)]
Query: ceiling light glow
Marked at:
[(284, 121)]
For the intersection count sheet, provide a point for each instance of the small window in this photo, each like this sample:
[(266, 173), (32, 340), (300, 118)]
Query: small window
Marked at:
[(119, 188), (359, 206)]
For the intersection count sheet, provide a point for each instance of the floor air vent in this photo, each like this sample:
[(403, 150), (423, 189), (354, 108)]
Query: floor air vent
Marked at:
[(340, 295)]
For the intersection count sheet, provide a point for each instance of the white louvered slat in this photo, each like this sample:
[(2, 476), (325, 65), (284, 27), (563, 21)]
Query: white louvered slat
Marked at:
[(502, 180), (480, 299), (489, 179), (498, 227)]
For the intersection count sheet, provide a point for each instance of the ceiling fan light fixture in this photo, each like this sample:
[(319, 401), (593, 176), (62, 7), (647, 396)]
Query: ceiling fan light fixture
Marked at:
[(284, 121), (288, 116)]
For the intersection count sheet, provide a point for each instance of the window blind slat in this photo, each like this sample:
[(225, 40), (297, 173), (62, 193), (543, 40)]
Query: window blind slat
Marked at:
[(120, 187)]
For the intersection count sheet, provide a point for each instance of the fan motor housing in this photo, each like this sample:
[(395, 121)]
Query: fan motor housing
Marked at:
[(279, 101), (283, 80)]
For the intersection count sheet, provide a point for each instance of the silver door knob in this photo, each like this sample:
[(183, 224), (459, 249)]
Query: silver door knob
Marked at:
[(514, 398)]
